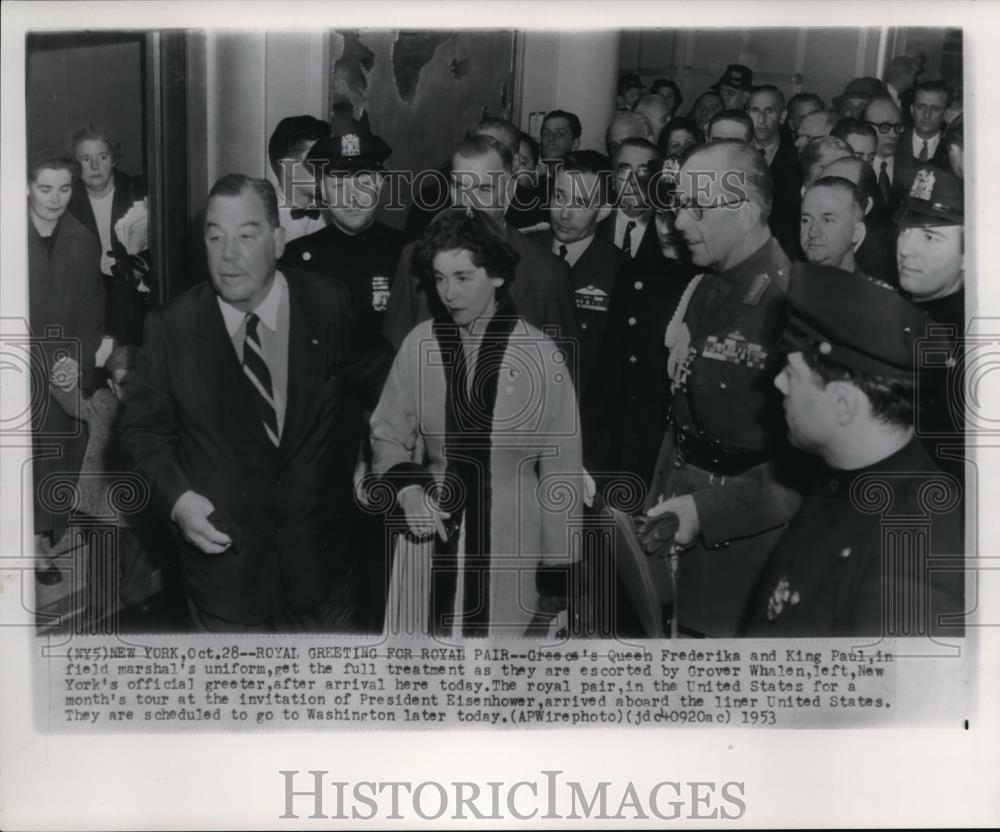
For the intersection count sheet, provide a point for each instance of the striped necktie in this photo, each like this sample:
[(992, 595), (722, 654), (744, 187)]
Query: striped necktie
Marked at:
[(923, 152), (627, 239), (260, 377)]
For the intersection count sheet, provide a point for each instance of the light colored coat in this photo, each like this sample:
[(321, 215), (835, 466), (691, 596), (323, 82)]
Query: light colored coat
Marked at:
[(529, 462)]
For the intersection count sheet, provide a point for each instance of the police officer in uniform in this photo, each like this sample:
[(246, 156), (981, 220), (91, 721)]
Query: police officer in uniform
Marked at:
[(355, 247), (713, 469), (840, 569), (930, 254), (362, 252)]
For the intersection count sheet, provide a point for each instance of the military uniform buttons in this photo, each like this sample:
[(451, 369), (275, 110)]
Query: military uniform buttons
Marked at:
[(638, 284), (722, 385), (631, 321), (845, 552), (307, 255), (825, 348), (583, 325), (632, 359), (725, 545)]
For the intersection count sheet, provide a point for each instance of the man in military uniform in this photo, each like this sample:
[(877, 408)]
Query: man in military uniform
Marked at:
[(848, 384), (581, 201), (930, 253), (361, 252), (712, 471)]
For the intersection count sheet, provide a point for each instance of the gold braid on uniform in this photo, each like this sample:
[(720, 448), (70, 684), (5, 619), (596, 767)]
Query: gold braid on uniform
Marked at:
[(677, 338)]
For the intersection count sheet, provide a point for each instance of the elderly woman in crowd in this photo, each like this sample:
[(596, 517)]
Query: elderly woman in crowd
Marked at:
[(476, 433)]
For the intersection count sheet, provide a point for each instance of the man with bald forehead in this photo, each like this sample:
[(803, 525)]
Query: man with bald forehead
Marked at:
[(713, 470)]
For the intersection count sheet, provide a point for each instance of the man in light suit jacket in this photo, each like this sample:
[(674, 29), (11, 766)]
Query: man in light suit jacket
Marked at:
[(233, 422)]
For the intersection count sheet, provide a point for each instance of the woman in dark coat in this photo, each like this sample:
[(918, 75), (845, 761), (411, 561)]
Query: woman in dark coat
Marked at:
[(66, 302)]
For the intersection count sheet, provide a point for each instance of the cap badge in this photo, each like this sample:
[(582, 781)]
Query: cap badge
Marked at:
[(350, 145), (923, 185)]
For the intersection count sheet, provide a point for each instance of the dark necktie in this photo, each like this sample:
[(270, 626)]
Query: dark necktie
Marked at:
[(256, 370), (923, 152), (562, 251), (299, 213), (883, 182), (627, 239)]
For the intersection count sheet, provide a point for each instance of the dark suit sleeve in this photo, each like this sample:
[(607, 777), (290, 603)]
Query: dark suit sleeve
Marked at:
[(399, 315), (149, 432)]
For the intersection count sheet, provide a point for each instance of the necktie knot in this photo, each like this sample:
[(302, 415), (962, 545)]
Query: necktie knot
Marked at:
[(252, 319)]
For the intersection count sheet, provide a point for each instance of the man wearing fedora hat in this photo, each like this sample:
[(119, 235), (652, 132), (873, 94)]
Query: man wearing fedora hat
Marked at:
[(848, 383), (851, 103), (735, 86)]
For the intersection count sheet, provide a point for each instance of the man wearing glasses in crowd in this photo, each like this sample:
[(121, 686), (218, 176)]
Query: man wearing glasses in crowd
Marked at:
[(883, 115), (713, 470)]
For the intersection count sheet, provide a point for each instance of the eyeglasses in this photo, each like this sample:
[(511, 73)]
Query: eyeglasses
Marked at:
[(682, 202), (884, 127)]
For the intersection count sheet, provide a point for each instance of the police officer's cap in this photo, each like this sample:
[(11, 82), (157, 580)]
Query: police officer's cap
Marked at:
[(736, 76), (935, 198), (852, 320), (351, 151)]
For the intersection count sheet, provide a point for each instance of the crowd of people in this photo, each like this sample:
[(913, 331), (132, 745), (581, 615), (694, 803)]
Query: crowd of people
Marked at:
[(701, 347)]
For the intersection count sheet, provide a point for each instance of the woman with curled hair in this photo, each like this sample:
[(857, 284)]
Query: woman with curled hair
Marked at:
[(476, 436), (66, 307)]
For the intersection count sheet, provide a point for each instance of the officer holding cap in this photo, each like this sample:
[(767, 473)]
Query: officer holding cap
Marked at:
[(846, 565), (930, 254)]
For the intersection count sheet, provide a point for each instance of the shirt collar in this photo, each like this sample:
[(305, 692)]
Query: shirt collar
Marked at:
[(574, 250), (267, 309)]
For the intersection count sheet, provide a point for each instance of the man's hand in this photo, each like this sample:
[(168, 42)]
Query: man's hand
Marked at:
[(190, 513), (688, 526), (422, 514)]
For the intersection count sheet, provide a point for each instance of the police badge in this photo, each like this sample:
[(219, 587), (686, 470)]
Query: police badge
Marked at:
[(350, 145), (923, 185)]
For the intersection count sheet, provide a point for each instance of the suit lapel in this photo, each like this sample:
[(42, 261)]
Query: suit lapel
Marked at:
[(306, 365)]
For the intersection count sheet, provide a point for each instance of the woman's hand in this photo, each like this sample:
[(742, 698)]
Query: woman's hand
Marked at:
[(422, 514)]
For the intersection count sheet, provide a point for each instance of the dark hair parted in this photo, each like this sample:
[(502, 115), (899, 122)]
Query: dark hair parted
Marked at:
[(467, 230), (592, 162), (53, 160), (480, 145), (853, 127), (236, 184), (574, 121), (891, 399), (667, 83)]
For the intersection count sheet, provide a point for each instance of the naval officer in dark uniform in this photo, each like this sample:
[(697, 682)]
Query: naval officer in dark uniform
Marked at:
[(358, 250), (713, 469), (876, 547)]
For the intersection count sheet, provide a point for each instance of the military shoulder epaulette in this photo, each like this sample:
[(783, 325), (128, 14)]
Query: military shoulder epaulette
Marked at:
[(756, 290)]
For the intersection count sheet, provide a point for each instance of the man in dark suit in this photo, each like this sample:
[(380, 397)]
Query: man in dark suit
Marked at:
[(581, 201), (233, 419), (480, 180), (920, 144), (101, 197), (766, 108)]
